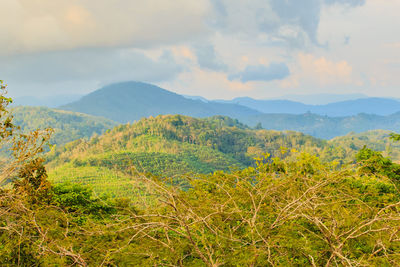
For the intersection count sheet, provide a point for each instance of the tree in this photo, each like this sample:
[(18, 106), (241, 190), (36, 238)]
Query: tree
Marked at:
[(19, 147)]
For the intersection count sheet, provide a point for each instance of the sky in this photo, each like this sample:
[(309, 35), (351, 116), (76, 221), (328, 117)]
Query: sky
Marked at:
[(218, 49)]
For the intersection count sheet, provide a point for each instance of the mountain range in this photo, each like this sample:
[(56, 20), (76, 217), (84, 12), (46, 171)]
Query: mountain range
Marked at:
[(132, 101), (129, 101), (371, 105)]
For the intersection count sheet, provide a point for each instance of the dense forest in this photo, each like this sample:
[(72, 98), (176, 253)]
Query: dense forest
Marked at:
[(68, 126), (198, 192)]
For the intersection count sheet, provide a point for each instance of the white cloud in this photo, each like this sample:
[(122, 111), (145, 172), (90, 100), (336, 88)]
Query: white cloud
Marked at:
[(319, 72), (40, 25), (194, 46)]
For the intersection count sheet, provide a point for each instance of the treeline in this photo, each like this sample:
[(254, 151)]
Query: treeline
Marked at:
[(68, 126)]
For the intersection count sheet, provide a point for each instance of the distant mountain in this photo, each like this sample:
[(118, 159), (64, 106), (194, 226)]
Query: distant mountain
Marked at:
[(270, 106), (321, 99), (68, 126), (324, 126), (196, 97), (45, 101), (378, 106), (130, 101)]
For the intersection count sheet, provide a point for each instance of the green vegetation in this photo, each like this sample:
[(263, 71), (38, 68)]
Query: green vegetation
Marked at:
[(67, 125), (172, 146), (283, 208), (282, 212), (176, 146), (378, 140)]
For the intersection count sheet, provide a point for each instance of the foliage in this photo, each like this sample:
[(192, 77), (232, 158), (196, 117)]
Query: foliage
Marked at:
[(67, 126), (175, 145), (172, 146), (283, 212), (21, 147), (373, 162), (289, 208)]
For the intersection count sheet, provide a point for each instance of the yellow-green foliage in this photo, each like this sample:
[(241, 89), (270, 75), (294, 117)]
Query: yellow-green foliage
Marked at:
[(282, 212), (67, 125), (174, 145), (378, 140)]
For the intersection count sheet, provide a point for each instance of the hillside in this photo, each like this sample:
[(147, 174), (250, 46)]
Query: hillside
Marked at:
[(175, 145), (172, 145), (67, 125), (130, 101), (377, 140)]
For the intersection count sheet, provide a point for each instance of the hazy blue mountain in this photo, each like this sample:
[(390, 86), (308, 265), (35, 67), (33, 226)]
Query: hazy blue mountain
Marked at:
[(130, 101), (378, 106), (324, 126), (196, 97), (321, 99), (45, 101), (270, 106), (67, 125)]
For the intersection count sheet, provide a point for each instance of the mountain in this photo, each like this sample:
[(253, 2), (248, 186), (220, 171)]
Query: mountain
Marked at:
[(270, 106), (171, 145), (322, 99), (324, 126), (196, 97), (130, 101), (67, 125), (174, 145), (378, 106)]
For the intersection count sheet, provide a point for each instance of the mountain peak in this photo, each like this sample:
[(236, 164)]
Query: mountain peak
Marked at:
[(130, 101)]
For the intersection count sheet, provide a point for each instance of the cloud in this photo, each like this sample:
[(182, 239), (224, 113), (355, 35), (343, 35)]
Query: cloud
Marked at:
[(42, 25), (313, 71), (352, 3), (207, 58), (274, 71), (292, 22), (324, 70), (87, 65)]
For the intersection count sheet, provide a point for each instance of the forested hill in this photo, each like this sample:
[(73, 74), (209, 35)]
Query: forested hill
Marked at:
[(172, 145), (130, 101), (67, 125)]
